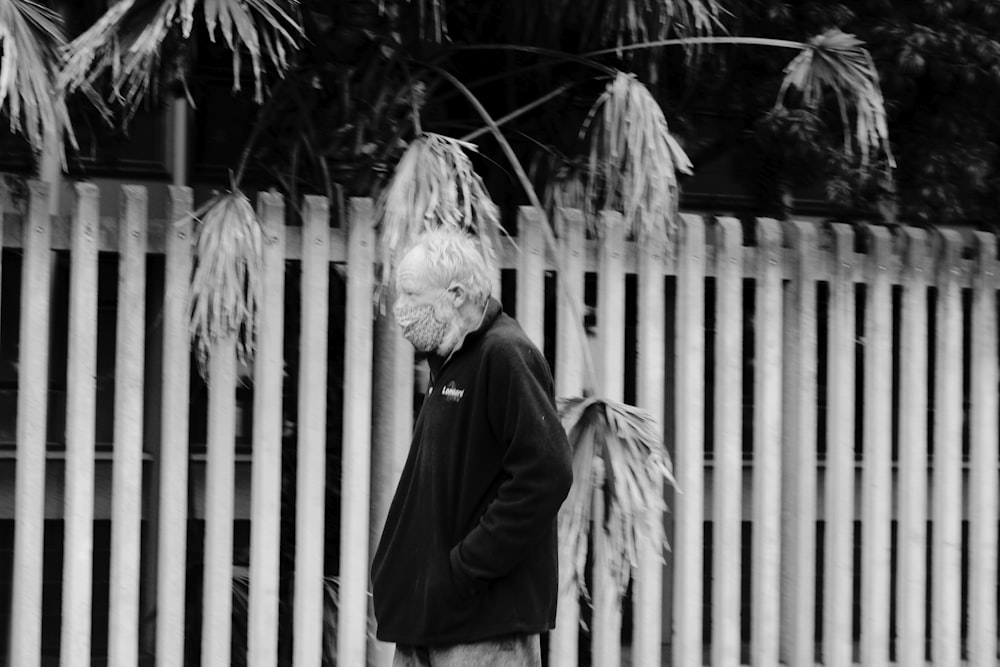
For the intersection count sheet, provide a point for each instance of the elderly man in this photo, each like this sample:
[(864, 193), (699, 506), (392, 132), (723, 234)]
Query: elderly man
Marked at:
[(466, 570)]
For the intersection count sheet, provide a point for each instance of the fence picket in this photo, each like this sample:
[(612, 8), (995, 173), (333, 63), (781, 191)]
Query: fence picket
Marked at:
[(983, 477), (268, 423), (220, 483), (569, 381), (946, 482), (606, 628), (357, 439), (839, 491), (126, 489), (176, 381), (765, 612), (799, 476), (652, 381), (81, 401), (911, 589), (689, 457), (727, 450), (876, 484), (531, 274), (32, 413), (310, 499)]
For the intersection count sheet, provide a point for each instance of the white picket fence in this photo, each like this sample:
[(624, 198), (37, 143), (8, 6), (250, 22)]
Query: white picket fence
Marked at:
[(871, 422)]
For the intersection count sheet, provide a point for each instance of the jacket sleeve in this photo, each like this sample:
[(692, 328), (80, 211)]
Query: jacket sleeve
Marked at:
[(537, 466)]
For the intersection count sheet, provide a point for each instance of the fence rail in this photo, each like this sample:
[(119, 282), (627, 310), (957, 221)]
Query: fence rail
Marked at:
[(829, 394)]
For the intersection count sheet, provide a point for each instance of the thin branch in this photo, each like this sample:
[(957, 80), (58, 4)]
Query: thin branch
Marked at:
[(517, 113), (522, 177)]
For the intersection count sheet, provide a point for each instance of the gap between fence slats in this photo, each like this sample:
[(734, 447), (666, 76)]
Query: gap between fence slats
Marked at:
[(310, 499), (689, 446), (946, 483), (911, 572), (651, 384), (173, 514), (765, 612), (268, 424), (126, 484), (220, 470), (356, 447), (877, 446), (984, 480), (81, 401), (727, 445), (569, 381), (798, 471), (32, 413), (839, 501)]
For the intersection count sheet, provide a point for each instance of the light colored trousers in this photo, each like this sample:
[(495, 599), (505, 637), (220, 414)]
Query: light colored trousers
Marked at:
[(514, 651)]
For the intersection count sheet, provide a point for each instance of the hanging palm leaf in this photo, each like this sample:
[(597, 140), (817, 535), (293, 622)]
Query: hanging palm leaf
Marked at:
[(633, 160), (128, 39), (31, 37), (434, 185), (838, 62), (624, 443), (226, 284)]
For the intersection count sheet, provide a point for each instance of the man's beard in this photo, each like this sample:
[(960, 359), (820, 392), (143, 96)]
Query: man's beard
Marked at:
[(428, 330)]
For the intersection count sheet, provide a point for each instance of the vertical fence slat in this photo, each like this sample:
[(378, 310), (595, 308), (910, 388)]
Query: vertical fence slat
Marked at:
[(946, 480), (799, 478), (563, 648), (268, 422), (876, 476), (983, 477), (727, 459), (689, 458), (81, 391), (392, 426), (32, 404), (126, 486), (652, 379), (911, 589), (310, 500), (172, 556), (357, 439), (606, 628), (839, 491), (220, 484), (531, 274), (611, 307), (765, 612)]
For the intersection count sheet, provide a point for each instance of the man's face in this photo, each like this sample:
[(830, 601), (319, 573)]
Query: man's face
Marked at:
[(422, 309)]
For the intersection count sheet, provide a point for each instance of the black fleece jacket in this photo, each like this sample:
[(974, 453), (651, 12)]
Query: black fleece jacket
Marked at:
[(469, 547)]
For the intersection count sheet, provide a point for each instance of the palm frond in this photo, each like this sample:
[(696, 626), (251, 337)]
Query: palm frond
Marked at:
[(838, 62), (126, 42), (31, 37), (617, 452), (633, 160), (226, 284), (434, 185)]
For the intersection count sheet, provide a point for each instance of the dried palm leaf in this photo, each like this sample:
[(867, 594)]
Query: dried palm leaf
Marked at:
[(434, 185), (617, 452), (31, 37), (226, 284), (633, 161), (839, 63), (127, 41)]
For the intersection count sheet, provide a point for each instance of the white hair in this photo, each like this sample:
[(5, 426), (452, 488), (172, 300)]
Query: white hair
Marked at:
[(454, 257)]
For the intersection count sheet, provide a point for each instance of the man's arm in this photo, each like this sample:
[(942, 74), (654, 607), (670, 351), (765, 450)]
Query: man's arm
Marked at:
[(537, 461)]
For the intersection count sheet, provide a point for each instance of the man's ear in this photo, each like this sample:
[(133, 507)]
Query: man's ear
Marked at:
[(460, 294)]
